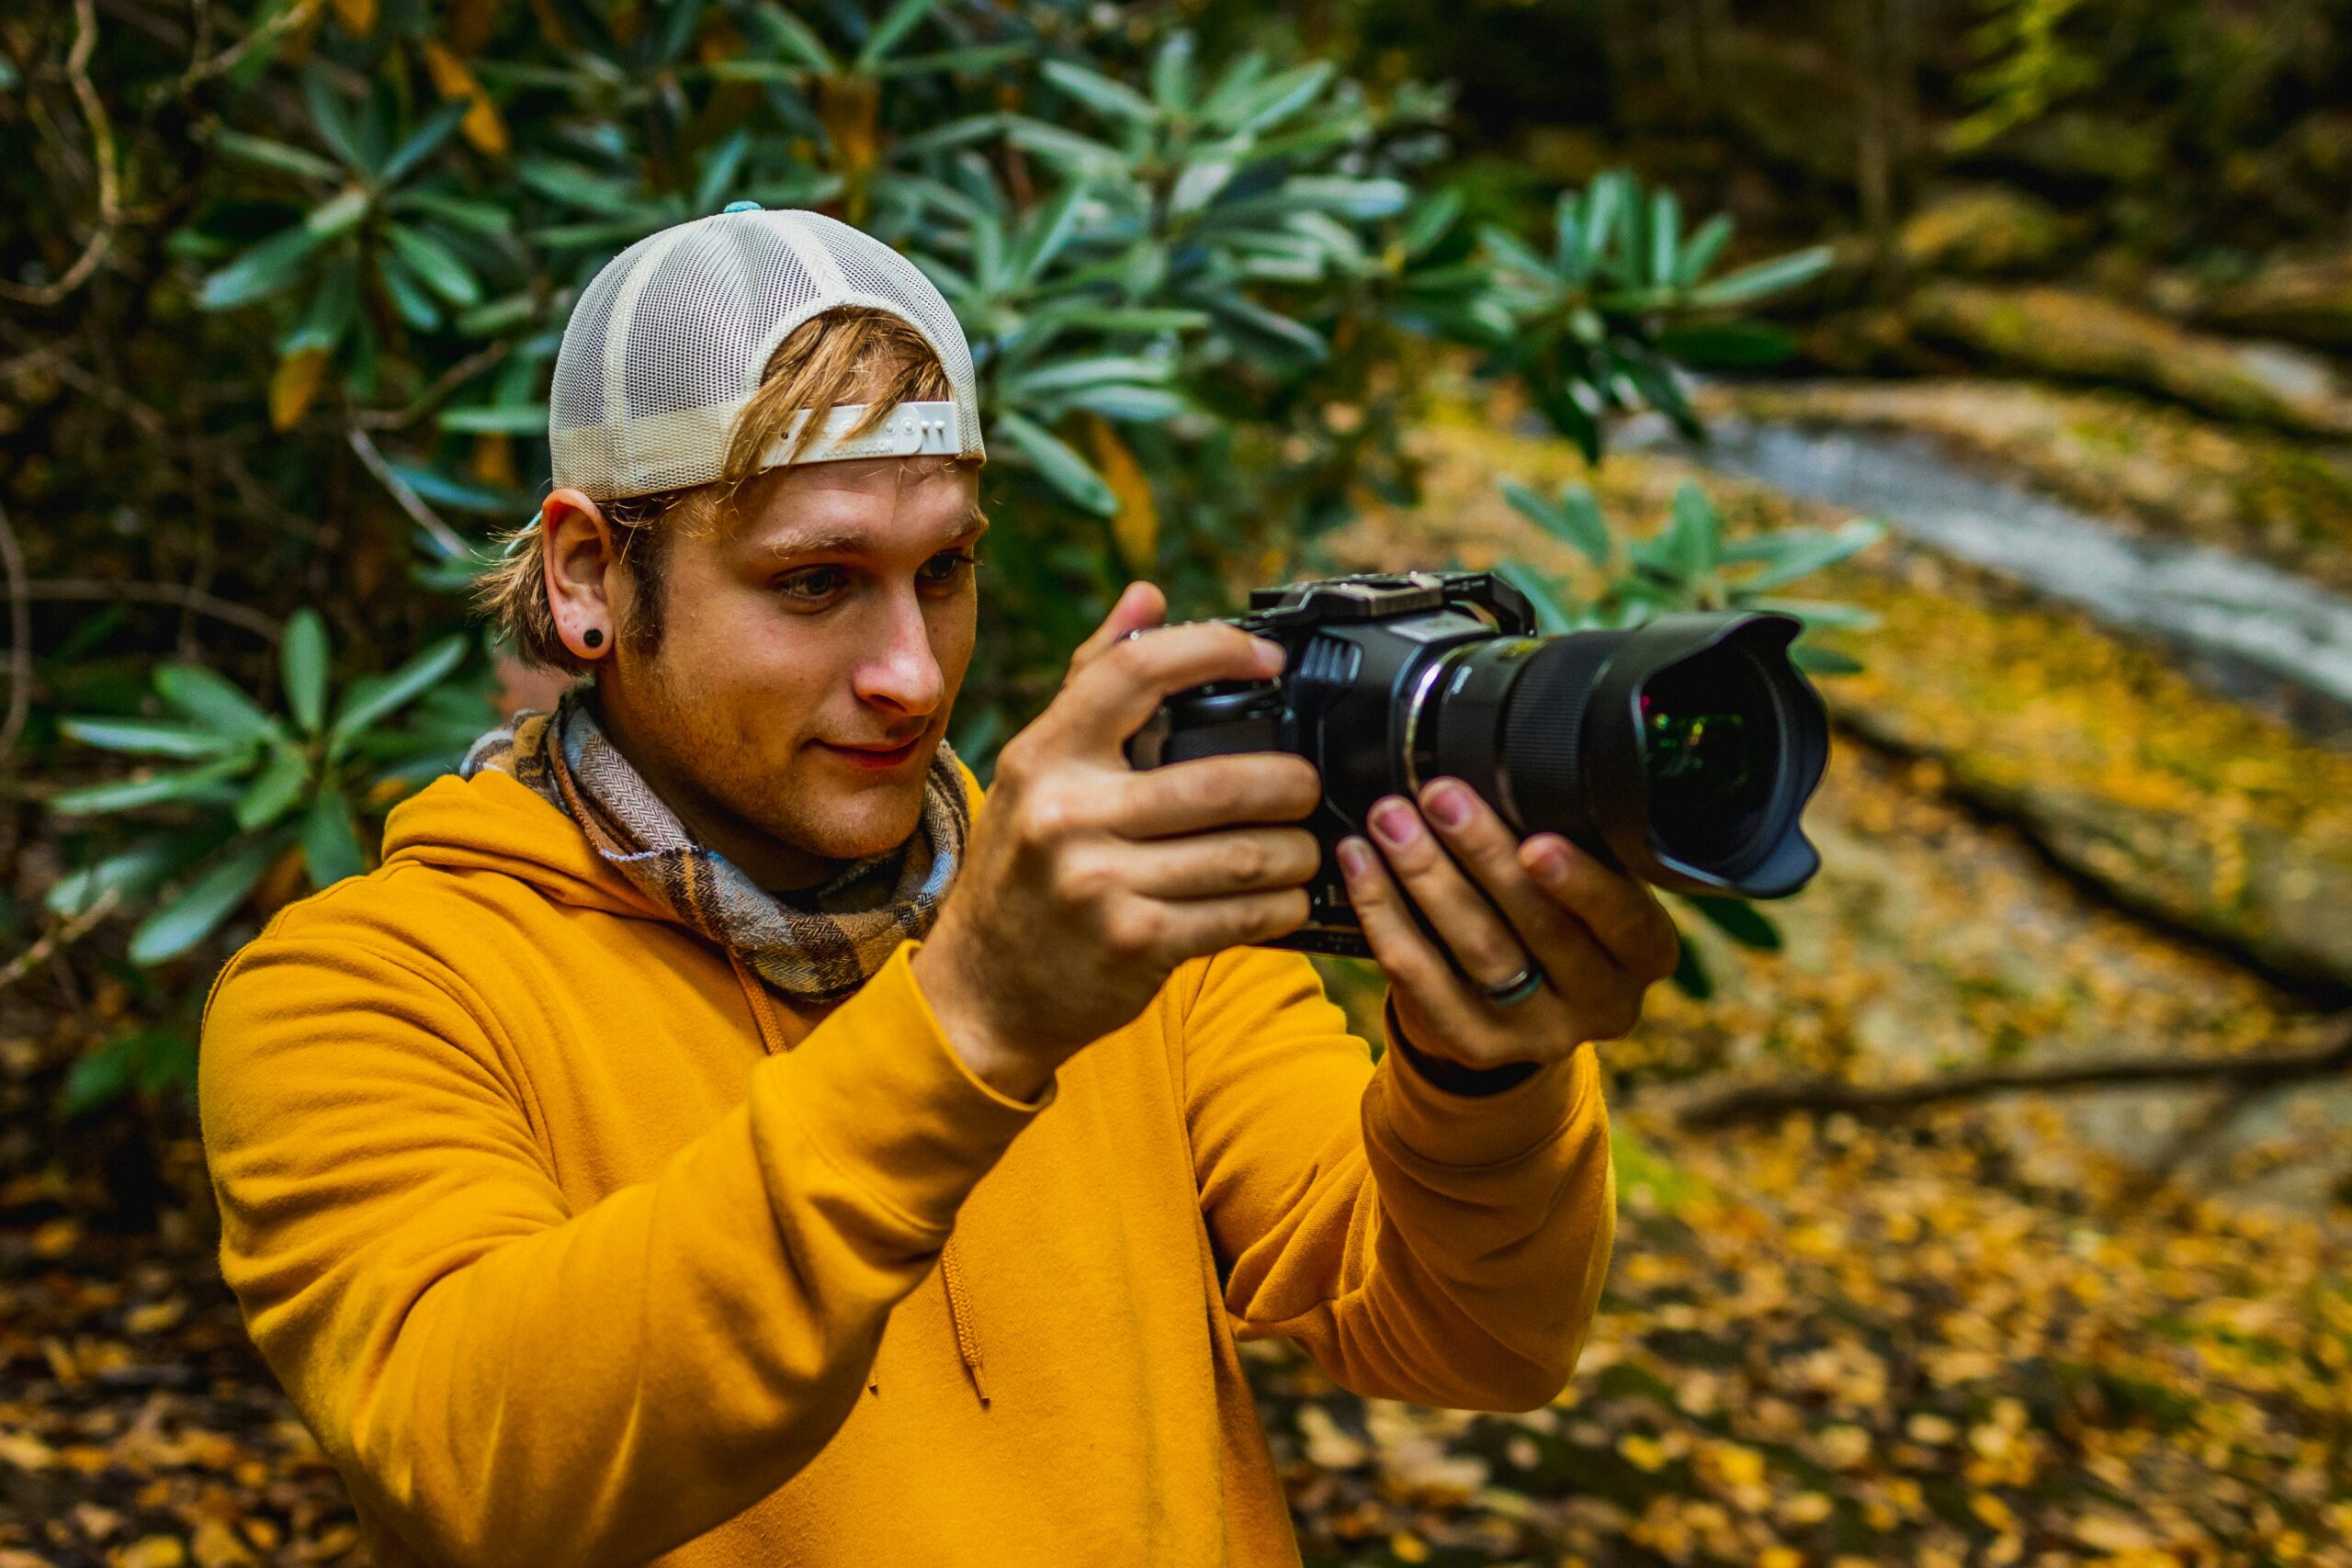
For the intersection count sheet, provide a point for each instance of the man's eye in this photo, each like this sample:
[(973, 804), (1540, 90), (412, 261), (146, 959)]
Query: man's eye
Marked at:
[(948, 565), (812, 582)]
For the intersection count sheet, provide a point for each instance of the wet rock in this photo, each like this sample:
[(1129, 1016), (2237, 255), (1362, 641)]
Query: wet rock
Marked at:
[(2159, 468), (2082, 337), (1983, 229), (2308, 301), (2176, 803)]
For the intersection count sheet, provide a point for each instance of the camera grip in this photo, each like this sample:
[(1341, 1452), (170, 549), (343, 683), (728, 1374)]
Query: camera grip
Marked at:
[(1210, 723)]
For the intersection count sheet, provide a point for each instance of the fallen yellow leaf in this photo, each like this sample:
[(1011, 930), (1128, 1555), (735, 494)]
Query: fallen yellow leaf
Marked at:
[(293, 384), (155, 1317), (150, 1552), (1642, 1452), (26, 1452), (1996, 1513), (483, 127), (56, 1238), (1136, 526), (215, 1545)]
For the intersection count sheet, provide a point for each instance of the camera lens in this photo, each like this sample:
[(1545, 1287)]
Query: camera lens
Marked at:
[(1683, 751), (1709, 736)]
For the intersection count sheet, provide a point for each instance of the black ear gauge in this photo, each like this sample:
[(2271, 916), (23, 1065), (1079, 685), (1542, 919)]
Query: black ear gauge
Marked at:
[(593, 636)]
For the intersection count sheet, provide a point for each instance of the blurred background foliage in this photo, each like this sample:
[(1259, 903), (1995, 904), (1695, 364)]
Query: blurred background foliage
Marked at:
[(2020, 336), (1201, 290)]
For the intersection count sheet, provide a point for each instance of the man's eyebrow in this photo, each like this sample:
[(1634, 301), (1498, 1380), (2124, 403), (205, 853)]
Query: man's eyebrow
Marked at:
[(846, 542)]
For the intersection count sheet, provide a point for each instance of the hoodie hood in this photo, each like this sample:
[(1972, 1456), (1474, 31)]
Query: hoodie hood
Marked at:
[(489, 822)]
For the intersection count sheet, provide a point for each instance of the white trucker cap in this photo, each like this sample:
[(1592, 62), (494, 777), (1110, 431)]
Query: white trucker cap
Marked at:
[(671, 339)]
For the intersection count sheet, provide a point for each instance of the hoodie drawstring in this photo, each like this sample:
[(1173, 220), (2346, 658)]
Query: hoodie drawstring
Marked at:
[(959, 1307), (762, 1006), (960, 1313)]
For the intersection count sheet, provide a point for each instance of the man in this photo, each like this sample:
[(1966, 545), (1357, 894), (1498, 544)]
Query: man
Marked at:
[(711, 1135)]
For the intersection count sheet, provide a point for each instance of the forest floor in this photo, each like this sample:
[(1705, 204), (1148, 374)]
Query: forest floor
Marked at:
[(2112, 1327), (1968, 1336)]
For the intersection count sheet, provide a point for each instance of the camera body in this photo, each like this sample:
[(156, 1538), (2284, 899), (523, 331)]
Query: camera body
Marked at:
[(1358, 648), (1681, 751)]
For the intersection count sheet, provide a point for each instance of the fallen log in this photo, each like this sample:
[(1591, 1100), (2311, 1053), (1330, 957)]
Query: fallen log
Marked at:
[(1751, 1102)]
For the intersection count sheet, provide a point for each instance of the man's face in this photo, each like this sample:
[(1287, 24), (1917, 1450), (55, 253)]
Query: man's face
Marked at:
[(831, 617)]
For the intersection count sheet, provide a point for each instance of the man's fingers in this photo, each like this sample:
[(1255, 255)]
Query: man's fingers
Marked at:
[(1139, 605), (1626, 917), (1407, 956), (1192, 928), (1214, 865), (1487, 948), (1487, 848), (1111, 697), (1216, 791)]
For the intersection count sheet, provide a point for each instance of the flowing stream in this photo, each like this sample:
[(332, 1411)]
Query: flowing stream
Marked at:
[(2258, 632)]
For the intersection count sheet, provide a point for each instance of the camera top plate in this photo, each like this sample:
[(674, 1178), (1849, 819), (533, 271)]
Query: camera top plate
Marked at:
[(1381, 595)]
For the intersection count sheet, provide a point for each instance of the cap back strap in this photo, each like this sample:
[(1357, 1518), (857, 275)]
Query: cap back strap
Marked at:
[(911, 430)]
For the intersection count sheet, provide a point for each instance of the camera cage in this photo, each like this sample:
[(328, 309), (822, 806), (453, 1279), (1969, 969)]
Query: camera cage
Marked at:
[(1378, 595)]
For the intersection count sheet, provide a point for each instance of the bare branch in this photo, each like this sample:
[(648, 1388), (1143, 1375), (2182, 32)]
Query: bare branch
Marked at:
[(410, 501), (52, 357), (64, 936), (449, 382), (20, 637), (1765, 1101), (252, 620), (294, 15), (77, 71)]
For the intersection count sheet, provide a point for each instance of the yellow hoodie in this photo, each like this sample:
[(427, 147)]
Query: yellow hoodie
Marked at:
[(574, 1246)]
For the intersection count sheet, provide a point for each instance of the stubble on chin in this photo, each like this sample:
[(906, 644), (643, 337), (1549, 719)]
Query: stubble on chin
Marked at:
[(834, 819), (728, 777)]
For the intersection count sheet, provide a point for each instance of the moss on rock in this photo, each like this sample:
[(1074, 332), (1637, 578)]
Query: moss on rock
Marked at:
[(2307, 300), (2083, 337), (1983, 229)]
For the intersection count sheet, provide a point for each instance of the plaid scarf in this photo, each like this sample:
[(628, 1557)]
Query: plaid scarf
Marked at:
[(812, 955)]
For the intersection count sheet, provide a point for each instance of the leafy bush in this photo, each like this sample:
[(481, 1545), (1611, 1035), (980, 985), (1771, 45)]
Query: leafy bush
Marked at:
[(1201, 295), (262, 788)]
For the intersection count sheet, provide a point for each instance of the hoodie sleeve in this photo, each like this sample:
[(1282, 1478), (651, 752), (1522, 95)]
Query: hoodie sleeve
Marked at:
[(1421, 1244), (506, 1381)]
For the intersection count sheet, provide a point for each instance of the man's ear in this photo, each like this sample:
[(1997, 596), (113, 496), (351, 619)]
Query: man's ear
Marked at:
[(577, 545)]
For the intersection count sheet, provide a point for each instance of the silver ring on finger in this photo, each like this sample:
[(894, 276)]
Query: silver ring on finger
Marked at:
[(1518, 989)]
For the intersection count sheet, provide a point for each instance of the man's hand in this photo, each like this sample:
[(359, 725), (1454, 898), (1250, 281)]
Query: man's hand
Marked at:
[(1599, 938), (1086, 882)]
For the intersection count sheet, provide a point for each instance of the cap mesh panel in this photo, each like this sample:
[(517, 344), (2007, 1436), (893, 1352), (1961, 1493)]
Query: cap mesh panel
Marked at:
[(697, 309)]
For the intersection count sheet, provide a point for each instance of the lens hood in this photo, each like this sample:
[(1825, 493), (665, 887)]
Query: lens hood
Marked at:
[(1681, 751), (1744, 836)]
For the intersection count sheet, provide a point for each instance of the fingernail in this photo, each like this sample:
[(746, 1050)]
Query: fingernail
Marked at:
[(1393, 821), (1271, 655), (1448, 803), (1355, 856), (1552, 858)]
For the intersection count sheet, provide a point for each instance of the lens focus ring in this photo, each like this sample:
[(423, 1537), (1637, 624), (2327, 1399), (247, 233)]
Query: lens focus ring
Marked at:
[(1544, 726)]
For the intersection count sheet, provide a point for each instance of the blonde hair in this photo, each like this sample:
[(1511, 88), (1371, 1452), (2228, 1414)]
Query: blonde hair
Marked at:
[(847, 355)]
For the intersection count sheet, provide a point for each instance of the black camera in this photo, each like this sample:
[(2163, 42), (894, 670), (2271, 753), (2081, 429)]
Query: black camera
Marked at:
[(1681, 751)]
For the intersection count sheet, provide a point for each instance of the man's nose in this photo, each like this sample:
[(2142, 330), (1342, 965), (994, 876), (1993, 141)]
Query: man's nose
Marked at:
[(902, 672)]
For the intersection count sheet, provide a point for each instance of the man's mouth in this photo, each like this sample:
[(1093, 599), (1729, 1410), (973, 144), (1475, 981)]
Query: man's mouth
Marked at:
[(875, 756)]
